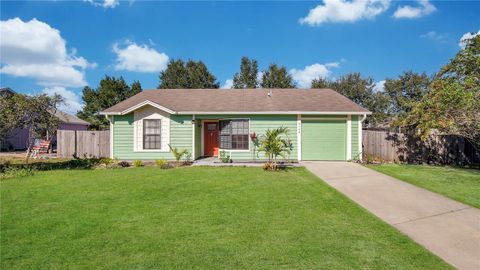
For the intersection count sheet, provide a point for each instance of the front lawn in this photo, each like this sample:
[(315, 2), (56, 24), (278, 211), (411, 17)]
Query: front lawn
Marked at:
[(199, 217), (459, 184)]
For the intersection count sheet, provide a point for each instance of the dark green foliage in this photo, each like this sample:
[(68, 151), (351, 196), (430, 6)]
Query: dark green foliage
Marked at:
[(452, 104), (189, 75), (465, 64), (34, 113), (360, 90), (109, 92), (277, 77), (321, 83), (124, 164), (406, 91), (47, 165), (13, 172), (247, 77)]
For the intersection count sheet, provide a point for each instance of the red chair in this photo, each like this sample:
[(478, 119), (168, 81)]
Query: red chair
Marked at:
[(40, 147)]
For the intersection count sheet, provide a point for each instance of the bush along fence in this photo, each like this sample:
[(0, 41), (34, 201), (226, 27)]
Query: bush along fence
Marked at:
[(72, 143), (400, 147)]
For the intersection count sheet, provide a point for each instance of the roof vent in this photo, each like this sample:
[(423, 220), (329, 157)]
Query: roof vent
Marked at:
[(269, 93)]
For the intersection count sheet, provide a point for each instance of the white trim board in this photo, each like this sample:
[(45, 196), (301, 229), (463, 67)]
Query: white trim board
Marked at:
[(349, 138), (156, 105), (299, 137)]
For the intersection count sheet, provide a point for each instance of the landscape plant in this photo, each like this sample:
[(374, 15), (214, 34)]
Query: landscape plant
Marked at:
[(224, 157), (162, 163), (137, 163), (275, 143), (178, 154)]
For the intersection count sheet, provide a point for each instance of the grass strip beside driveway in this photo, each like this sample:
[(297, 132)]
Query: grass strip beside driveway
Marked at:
[(459, 184)]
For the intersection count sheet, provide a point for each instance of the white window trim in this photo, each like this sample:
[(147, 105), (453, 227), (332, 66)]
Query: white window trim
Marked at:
[(299, 137), (164, 137), (235, 150), (349, 137)]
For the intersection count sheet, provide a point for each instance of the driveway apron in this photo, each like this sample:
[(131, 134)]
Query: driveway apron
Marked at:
[(447, 228)]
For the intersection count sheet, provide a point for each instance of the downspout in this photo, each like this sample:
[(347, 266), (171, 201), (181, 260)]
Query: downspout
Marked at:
[(110, 119), (364, 117)]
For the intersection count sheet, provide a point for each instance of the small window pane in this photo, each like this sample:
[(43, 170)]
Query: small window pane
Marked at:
[(212, 127), (152, 134)]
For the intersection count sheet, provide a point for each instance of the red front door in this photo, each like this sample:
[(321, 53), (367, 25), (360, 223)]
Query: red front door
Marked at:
[(210, 137)]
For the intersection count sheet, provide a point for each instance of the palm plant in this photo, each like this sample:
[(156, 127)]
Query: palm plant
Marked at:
[(177, 153), (275, 143)]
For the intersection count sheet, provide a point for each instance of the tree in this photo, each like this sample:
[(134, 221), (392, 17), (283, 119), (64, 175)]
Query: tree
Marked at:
[(247, 78), (276, 77), (190, 75), (452, 104), (406, 91), (109, 92), (34, 113), (360, 90), (275, 143), (321, 83)]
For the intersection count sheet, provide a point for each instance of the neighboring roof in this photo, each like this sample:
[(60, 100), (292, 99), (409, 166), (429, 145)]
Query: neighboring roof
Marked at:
[(69, 119), (231, 101)]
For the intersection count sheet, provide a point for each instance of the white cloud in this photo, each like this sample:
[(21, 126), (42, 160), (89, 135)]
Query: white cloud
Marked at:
[(35, 50), (345, 11), (465, 37), (433, 35), (379, 86), (408, 12), (73, 102), (228, 84), (140, 58), (104, 3), (304, 77)]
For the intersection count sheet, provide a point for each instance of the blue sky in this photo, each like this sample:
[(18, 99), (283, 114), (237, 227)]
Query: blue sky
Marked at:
[(58, 46)]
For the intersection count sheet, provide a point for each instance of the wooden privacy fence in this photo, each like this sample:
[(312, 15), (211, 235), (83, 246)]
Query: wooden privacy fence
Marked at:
[(400, 147), (83, 143)]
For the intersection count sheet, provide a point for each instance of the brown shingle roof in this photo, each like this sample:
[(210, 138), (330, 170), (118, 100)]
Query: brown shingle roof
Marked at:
[(242, 100)]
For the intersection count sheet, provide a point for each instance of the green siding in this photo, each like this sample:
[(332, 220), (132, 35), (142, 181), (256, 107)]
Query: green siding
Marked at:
[(354, 136), (324, 139), (180, 136), (259, 124)]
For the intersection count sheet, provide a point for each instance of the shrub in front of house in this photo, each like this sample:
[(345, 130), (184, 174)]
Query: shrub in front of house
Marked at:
[(124, 164), (12, 172), (137, 163), (162, 163)]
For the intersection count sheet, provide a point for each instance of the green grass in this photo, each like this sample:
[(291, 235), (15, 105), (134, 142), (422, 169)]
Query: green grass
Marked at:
[(203, 218), (459, 184)]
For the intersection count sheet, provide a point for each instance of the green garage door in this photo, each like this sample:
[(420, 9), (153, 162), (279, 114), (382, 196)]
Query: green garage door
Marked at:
[(324, 140)]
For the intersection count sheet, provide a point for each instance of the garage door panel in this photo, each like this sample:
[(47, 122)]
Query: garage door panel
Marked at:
[(324, 140)]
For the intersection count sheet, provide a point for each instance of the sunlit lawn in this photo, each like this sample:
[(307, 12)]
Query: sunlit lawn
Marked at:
[(203, 218), (457, 183)]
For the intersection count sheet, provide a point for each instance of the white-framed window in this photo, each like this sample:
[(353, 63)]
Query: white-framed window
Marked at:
[(152, 134), (234, 134), (151, 130)]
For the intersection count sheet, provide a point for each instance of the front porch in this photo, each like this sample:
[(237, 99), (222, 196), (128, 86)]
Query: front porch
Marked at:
[(235, 135)]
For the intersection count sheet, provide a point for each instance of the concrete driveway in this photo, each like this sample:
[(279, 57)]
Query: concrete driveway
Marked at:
[(447, 228)]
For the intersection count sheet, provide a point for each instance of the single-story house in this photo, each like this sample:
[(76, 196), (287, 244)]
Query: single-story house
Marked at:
[(17, 139), (323, 124)]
